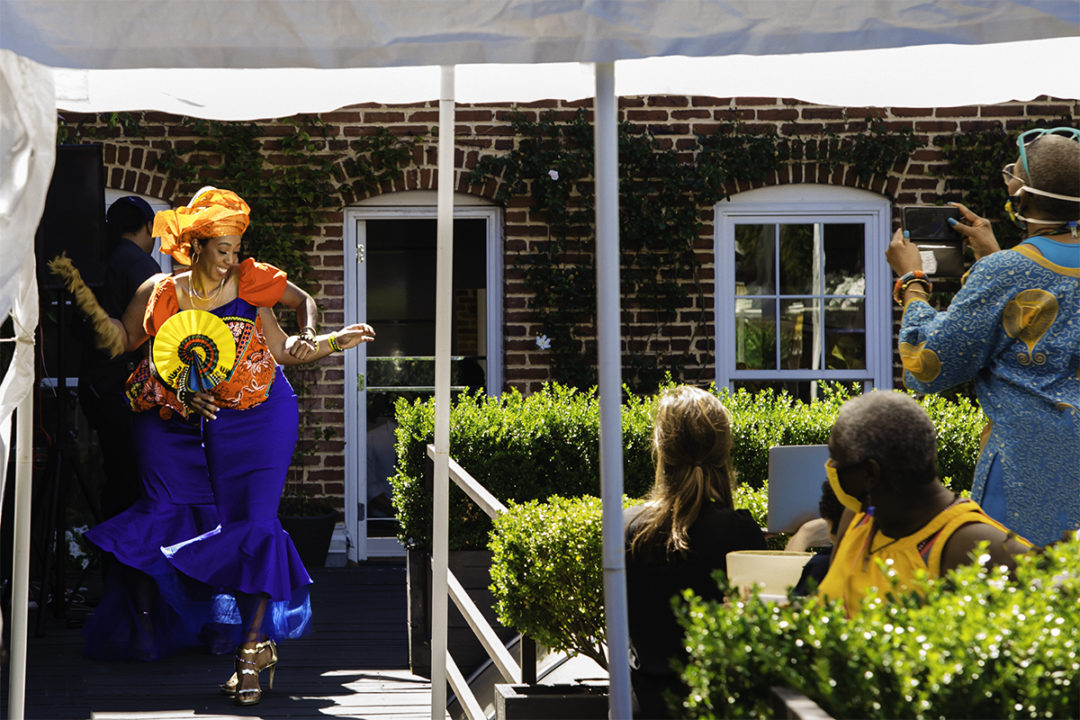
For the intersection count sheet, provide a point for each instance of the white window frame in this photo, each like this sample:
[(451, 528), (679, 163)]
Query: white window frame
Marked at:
[(412, 205), (806, 204)]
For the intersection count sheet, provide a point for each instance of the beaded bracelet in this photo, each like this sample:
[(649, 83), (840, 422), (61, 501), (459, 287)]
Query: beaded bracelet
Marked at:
[(902, 283), (308, 335), (333, 343)]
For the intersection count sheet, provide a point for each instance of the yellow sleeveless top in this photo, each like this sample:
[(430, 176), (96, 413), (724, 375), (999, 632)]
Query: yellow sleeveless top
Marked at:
[(853, 570)]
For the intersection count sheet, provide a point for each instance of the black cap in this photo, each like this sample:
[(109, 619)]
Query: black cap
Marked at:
[(128, 214)]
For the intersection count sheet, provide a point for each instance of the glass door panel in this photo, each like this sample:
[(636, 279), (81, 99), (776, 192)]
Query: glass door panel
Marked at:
[(400, 290)]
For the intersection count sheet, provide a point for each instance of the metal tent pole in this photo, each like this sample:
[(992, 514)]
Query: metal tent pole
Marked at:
[(443, 294), (20, 592), (610, 385)]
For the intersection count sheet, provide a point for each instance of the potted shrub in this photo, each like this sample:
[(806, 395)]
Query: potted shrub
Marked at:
[(547, 579), (520, 449)]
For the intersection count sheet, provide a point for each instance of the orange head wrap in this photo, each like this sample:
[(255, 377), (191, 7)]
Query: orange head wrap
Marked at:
[(211, 213)]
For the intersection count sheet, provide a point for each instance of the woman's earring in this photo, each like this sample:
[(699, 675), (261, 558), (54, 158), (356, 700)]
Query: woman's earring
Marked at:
[(195, 258)]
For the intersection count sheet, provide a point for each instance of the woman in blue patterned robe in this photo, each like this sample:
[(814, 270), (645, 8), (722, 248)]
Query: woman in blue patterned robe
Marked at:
[(1014, 328)]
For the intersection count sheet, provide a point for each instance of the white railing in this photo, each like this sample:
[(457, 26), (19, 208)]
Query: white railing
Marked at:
[(510, 670)]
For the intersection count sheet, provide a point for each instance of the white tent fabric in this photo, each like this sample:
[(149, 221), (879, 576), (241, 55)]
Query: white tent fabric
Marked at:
[(342, 34), (385, 33), (871, 77), (27, 151)]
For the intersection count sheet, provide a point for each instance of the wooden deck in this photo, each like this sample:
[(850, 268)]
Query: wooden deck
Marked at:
[(353, 665)]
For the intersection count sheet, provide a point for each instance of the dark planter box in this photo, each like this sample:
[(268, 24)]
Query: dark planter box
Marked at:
[(472, 568), (543, 702), (311, 534)]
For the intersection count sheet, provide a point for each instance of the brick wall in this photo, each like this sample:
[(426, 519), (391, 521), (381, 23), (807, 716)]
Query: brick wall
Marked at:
[(131, 165)]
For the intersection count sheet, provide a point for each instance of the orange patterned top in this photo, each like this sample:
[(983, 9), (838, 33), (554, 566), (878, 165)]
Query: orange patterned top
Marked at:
[(248, 384)]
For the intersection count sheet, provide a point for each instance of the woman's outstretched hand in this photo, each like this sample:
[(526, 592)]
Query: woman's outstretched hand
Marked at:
[(352, 335), (977, 232)]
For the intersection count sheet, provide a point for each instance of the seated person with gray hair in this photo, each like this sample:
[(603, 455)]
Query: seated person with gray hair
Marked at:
[(883, 467)]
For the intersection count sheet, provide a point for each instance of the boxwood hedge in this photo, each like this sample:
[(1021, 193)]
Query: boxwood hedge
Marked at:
[(529, 448)]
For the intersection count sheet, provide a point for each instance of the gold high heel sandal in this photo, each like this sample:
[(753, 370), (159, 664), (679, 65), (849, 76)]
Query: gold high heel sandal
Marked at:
[(245, 667), (265, 659)]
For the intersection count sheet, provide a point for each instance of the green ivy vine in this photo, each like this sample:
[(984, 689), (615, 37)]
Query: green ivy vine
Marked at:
[(661, 200)]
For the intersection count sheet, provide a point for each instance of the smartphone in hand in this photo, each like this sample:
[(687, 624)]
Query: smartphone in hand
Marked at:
[(941, 247)]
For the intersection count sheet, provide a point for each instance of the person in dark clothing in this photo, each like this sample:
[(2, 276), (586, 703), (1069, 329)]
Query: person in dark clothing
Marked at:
[(816, 534), (128, 226), (679, 536)]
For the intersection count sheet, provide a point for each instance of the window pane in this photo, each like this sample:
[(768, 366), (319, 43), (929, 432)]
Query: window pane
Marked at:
[(755, 259), (797, 260), (845, 334), (844, 263), (755, 334), (799, 330), (466, 373)]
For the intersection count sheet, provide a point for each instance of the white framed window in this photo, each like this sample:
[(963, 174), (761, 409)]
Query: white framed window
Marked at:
[(802, 289)]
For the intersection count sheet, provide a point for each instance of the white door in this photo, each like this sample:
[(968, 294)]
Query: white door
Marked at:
[(390, 283)]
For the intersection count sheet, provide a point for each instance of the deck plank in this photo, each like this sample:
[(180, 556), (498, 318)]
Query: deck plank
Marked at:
[(354, 664)]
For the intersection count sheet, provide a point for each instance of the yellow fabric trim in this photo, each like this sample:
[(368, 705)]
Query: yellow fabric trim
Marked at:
[(1037, 257), (984, 436), (915, 299), (923, 364)]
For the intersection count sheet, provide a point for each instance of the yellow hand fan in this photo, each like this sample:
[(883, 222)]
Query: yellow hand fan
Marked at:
[(194, 349)]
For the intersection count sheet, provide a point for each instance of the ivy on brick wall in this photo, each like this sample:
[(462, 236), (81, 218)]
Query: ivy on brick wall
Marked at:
[(663, 192), (286, 196)]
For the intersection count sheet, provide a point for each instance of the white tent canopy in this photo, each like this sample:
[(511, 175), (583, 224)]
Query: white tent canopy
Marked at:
[(870, 77), (369, 40), (396, 33)]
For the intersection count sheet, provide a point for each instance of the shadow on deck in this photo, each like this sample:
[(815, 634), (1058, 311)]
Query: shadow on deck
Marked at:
[(353, 665)]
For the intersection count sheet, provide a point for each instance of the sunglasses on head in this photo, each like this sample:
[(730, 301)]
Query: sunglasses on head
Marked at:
[(1030, 136)]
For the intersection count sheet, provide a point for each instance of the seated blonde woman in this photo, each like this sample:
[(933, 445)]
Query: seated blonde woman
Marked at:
[(679, 536)]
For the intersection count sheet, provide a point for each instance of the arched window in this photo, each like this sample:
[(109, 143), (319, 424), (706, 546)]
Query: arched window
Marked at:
[(802, 289)]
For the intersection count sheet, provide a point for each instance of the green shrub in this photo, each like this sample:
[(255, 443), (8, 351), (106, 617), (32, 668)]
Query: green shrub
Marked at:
[(547, 574), (979, 645), (548, 443), (519, 448)]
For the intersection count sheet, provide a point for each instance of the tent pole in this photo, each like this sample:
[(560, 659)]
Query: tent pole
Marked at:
[(444, 259), (610, 386), (20, 587)]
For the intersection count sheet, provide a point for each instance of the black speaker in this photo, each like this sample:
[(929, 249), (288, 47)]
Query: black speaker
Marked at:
[(74, 217)]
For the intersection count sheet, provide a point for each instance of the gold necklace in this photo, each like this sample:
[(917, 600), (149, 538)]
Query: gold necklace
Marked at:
[(209, 296)]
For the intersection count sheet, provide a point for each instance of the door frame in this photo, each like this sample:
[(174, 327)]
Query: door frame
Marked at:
[(415, 205)]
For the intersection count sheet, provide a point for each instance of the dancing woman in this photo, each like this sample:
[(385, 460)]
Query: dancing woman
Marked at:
[(248, 423)]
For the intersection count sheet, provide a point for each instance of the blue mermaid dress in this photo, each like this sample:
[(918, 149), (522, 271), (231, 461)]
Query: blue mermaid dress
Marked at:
[(248, 453), (149, 610)]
